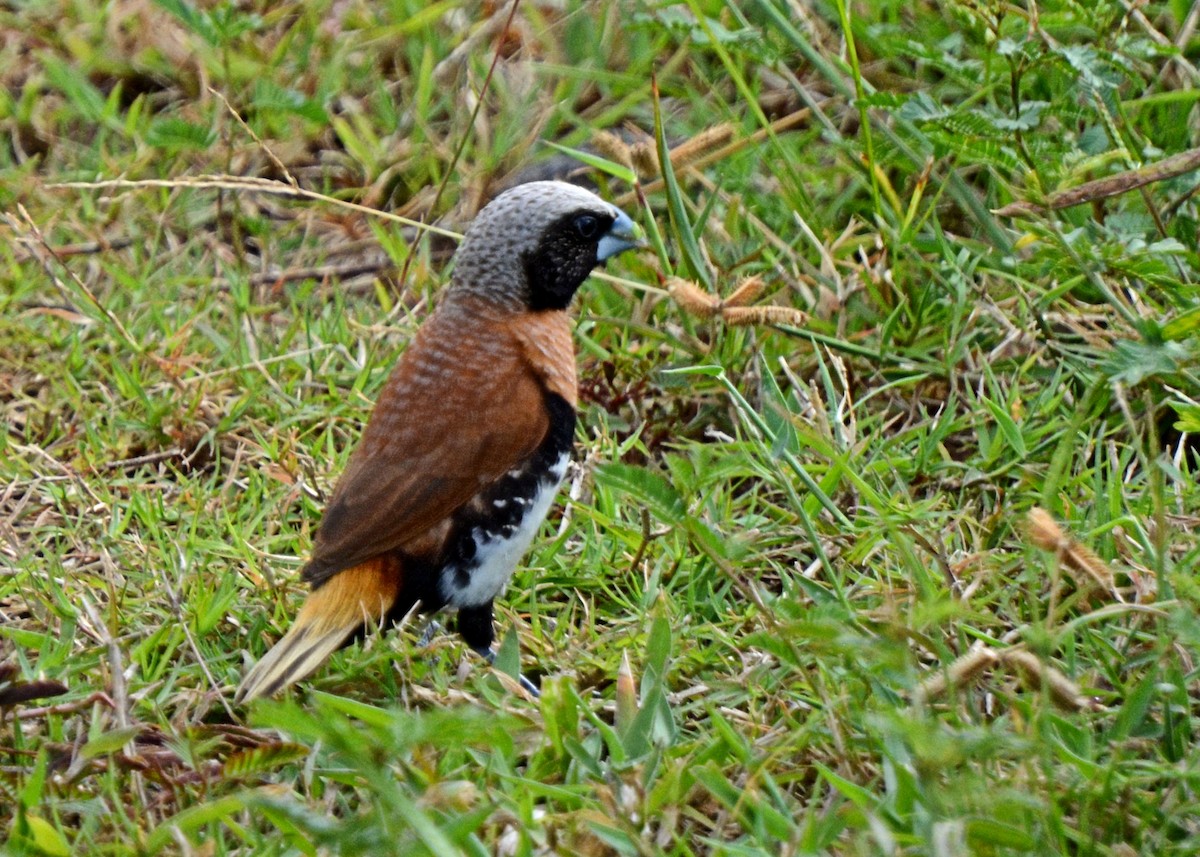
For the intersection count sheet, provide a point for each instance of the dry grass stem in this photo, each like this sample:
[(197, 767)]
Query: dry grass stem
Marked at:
[(255, 185)]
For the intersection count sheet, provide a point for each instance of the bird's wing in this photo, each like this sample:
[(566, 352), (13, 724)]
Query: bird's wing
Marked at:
[(451, 420)]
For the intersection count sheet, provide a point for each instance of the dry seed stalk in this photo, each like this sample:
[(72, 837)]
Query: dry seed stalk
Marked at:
[(644, 158), (681, 155), (964, 671), (1076, 557), (763, 315), (747, 292), (733, 311), (1038, 675), (1167, 168), (686, 151), (693, 298)]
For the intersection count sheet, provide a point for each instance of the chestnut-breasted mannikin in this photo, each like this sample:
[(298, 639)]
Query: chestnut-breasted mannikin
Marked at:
[(463, 454)]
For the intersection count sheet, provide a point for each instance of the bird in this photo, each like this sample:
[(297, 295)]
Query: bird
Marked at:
[(463, 453)]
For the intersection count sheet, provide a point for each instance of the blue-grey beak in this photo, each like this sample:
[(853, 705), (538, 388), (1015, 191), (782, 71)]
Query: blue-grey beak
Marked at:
[(623, 235)]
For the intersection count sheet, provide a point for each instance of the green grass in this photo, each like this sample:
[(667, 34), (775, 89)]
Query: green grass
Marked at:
[(794, 533)]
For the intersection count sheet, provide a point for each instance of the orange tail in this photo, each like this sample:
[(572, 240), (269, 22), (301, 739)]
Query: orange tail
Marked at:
[(358, 596)]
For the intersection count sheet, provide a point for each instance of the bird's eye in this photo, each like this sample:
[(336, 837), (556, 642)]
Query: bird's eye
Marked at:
[(586, 226)]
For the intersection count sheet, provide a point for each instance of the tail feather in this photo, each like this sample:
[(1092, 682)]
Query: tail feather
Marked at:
[(358, 596)]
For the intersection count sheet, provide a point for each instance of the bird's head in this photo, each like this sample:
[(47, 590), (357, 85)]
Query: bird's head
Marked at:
[(534, 245)]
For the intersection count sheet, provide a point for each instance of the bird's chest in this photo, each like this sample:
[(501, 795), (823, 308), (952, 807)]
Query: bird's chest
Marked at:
[(493, 532)]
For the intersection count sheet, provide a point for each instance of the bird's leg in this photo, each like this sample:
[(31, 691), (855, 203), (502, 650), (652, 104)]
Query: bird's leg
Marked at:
[(475, 626), (432, 629)]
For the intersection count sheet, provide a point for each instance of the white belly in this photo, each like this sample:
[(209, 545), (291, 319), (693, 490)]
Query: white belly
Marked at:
[(496, 557)]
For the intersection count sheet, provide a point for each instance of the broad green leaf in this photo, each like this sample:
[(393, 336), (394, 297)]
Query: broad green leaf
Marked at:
[(989, 832), (1189, 417), (1134, 709), (1008, 427), (508, 654), (651, 489), (177, 135), (40, 837), (108, 742), (1132, 362)]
